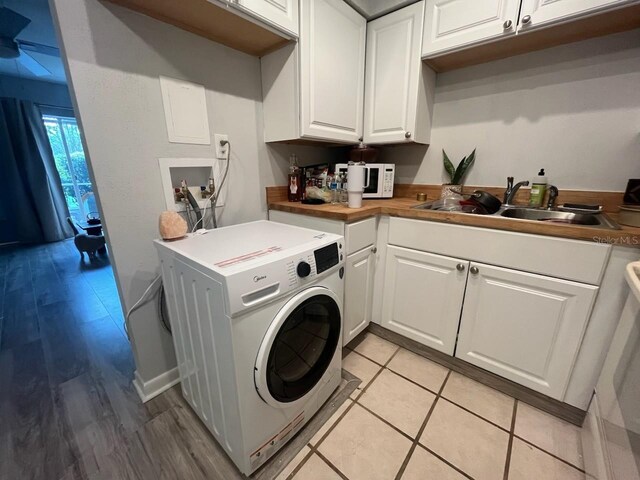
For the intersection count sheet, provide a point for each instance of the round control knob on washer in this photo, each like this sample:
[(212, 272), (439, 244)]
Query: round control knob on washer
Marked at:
[(303, 269)]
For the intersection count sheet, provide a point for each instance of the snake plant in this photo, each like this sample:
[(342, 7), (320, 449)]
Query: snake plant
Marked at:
[(457, 174)]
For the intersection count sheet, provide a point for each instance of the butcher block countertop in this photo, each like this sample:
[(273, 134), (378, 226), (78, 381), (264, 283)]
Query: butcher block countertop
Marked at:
[(401, 207)]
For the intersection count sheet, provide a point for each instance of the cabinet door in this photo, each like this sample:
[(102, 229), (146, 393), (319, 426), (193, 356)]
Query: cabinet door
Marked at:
[(392, 75), (423, 296), (535, 13), (332, 48), (456, 24), (358, 291), (282, 14), (524, 327)]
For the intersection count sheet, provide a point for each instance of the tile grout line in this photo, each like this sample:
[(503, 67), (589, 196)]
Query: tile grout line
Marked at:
[(444, 397), (444, 460), (566, 462), (507, 463), (387, 422), (459, 406), (314, 448), (439, 395), (302, 462), (412, 449), (477, 415), (401, 375), (332, 466), (366, 387)]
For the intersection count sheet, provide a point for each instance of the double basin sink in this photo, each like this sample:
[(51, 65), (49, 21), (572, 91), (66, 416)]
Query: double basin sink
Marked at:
[(594, 220)]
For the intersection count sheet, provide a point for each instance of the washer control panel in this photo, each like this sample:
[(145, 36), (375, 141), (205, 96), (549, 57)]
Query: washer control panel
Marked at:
[(254, 286), (326, 257)]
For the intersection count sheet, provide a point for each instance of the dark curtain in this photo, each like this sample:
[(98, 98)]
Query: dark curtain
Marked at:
[(32, 194)]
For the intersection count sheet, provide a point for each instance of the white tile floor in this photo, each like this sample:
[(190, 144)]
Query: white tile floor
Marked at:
[(413, 419)]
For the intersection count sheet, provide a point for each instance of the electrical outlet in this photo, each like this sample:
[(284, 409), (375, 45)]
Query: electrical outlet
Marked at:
[(221, 150)]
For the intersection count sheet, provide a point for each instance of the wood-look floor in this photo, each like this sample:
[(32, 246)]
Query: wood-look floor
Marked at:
[(68, 409), (67, 406)]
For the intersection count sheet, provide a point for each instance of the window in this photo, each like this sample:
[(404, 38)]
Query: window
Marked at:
[(64, 138)]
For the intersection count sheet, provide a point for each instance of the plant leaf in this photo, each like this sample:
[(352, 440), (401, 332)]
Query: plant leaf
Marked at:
[(463, 167), (448, 166)]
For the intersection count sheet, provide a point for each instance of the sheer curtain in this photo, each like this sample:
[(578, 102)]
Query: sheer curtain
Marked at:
[(31, 190)]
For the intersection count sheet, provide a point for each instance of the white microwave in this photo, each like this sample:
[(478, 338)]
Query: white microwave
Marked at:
[(378, 179)]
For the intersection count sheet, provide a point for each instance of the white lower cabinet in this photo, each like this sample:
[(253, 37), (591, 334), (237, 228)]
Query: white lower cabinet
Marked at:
[(358, 293), (524, 327), (423, 296)]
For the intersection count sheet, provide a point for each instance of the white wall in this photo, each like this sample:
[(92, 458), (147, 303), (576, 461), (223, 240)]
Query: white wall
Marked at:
[(573, 109), (114, 59)]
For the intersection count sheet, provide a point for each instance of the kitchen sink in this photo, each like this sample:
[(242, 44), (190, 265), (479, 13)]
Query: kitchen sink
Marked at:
[(594, 220), (598, 220)]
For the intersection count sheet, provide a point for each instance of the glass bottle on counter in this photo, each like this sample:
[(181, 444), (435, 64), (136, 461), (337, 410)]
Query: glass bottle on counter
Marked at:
[(344, 197), (293, 181), (335, 193)]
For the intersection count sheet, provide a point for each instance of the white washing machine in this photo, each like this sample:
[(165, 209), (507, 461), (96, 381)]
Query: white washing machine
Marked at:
[(256, 314)]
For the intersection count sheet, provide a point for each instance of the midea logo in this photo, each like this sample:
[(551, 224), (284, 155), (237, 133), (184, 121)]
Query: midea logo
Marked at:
[(258, 278)]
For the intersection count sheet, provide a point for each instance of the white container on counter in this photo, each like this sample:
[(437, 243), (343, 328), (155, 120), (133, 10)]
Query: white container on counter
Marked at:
[(356, 185)]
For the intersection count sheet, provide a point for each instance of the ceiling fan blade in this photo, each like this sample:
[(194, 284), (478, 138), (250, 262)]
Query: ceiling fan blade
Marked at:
[(38, 48), (11, 22), (31, 64)]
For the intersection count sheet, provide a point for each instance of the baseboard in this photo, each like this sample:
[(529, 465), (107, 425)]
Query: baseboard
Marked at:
[(550, 405), (155, 386)]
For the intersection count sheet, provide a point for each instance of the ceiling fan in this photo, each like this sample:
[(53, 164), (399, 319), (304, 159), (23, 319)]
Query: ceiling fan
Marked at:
[(11, 24)]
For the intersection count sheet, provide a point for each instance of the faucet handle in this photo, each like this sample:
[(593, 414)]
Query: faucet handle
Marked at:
[(509, 182)]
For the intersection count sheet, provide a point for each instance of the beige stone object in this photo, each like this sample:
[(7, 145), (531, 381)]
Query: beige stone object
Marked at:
[(172, 226)]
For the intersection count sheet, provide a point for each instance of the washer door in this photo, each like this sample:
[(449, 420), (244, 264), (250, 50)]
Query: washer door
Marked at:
[(298, 347)]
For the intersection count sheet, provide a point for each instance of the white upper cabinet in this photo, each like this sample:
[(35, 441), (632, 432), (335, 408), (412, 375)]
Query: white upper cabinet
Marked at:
[(282, 14), (332, 49), (524, 327), (398, 87), (423, 296), (314, 90), (455, 24), (536, 13)]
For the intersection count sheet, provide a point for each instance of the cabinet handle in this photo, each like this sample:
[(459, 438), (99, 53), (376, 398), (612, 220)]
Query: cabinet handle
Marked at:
[(526, 19), (407, 135), (460, 267), (474, 270), (374, 250), (508, 24)]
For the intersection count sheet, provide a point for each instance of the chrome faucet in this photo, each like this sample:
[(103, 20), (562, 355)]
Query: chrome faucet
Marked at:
[(553, 194), (510, 192)]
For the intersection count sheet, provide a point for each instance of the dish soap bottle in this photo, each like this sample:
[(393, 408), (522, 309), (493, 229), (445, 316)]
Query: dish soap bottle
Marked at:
[(538, 189)]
